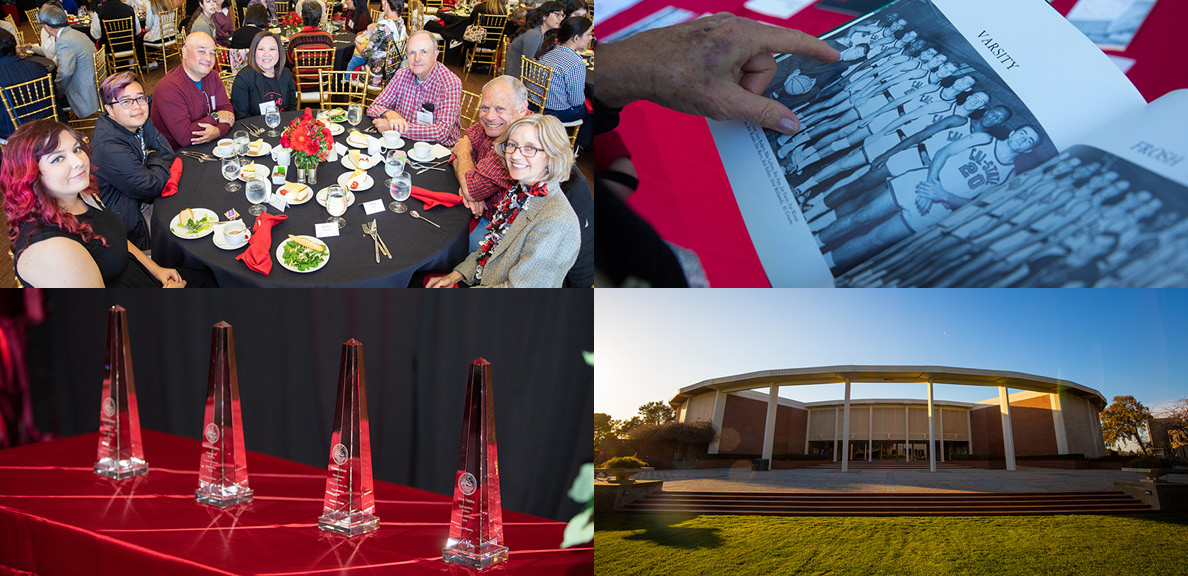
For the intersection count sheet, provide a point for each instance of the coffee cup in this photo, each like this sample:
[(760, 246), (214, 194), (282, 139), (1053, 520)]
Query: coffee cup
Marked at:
[(374, 147), (224, 146), (391, 139), (281, 155), (421, 150), (235, 233)]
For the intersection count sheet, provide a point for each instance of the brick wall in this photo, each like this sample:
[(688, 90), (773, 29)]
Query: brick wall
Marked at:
[(743, 423), (1032, 426), (986, 427)]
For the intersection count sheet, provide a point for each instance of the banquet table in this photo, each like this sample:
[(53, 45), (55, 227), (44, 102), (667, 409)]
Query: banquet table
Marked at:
[(58, 517), (674, 192), (416, 246)]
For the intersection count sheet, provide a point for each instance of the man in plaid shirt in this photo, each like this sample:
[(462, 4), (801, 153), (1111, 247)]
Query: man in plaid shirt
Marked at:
[(399, 106)]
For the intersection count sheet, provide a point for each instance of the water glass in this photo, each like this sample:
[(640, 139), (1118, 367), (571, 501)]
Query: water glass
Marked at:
[(231, 169), (401, 189), (354, 114), (336, 205), (257, 194), (393, 165), (272, 119), (240, 140)]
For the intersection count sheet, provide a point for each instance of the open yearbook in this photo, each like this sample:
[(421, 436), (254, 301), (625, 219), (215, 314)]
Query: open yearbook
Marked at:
[(964, 143)]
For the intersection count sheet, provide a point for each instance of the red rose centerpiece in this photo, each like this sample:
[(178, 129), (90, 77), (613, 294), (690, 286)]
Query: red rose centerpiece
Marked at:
[(309, 141)]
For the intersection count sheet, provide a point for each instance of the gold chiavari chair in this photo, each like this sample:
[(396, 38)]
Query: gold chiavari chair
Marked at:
[(376, 15), (100, 68), (572, 129), (488, 51), (20, 36), (282, 8), (231, 60), (341, 89), (432, 6), (30, 100), (118, 36), (536, 78), (503, 55), (34, 22), (469, 108), (169, 44), (307, 66)]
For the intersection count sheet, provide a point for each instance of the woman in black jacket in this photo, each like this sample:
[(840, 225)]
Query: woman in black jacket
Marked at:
[(255, 20), (265, 79)]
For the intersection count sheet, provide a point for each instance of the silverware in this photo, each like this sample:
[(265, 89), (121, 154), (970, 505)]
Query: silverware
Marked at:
[(414, 214), (428, 168), (253, 130), (383, 247), (199, 156), (369, 229)]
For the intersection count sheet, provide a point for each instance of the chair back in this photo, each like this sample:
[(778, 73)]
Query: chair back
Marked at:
[(494, 23), (119, 37), (30, 100), (31, 15), (308, 63), (341, 89), (168, 45), (536, 78), (487, 52), (100, 69), (20, 36), (376, 15), (282, 8), (231, 60), (416, 16), (469, 109), (503, 55), (234, 14)]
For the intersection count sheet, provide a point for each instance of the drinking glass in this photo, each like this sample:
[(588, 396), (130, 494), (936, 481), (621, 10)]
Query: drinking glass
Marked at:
[(272, 119), (393, 165), (257, 193), (231, 167), (354, 114), (336, 205), (240, 140), (401, 189)]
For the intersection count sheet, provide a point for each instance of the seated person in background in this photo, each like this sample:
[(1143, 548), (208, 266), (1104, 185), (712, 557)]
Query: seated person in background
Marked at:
[(265, 79), (389, 32), (547, 17), (356, 19), (132, 159), (515, 21), (61, 234), (269, 4), (567, 91), (534, 236), (576, 8), (190, 104), (211, 18), (485, 180), (400, 106), (116, 10), (14, 70), (5, 26), (310, 36), (75, 57), (255, 20), (48, 39), (152, 22)]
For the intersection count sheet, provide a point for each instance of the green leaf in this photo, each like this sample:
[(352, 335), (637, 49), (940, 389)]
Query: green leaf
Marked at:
[(583, 485), (580, 530), (589, 356)]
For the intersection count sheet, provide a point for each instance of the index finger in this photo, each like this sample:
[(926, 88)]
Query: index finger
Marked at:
[(771, 38)]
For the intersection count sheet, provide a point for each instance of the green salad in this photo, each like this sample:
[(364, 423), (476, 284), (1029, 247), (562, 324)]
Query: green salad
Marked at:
[(297, 256), (337, 115), (192, 226)]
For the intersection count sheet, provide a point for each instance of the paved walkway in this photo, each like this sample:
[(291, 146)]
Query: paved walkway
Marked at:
[(1025, 479)]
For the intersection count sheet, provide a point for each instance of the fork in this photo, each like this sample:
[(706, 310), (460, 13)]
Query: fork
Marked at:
[(383, 247), (253, 130), (369, 229), (199, 156)]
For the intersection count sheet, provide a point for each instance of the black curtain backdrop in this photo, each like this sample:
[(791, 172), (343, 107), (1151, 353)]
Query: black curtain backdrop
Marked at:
[(417, 346)]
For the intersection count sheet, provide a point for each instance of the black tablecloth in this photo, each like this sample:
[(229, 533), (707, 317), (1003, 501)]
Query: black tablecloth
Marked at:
[(415, 245), (344, 48)]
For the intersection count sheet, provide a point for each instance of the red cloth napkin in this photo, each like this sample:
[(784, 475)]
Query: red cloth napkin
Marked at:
[(175, 171), (432, 199), (258, 256)]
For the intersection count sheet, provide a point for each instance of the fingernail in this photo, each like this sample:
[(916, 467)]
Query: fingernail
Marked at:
[(788, 126)]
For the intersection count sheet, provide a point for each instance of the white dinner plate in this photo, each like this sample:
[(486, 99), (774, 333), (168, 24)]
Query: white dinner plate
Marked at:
[(369, 162), (264, 150), (366, 184), (181, 232), (262, 170), (305, 194), (280, 256), (362, 144), (336, 129), (322, 197)]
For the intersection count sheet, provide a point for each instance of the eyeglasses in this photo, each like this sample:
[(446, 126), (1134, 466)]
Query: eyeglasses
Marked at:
[(527, 151), (127, 103)]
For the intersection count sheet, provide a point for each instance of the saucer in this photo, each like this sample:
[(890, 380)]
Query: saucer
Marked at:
[(413, 154), (221, 243)]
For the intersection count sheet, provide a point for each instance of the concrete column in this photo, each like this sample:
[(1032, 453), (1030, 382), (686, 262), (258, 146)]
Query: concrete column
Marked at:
[(969, 431), (1095, 427), (845, 455), (1008, 438), (773, 401), (719, 413), (940, 412), (931, 433), (808, 418), (907, 433), (835, 415), (1058, 423), (869, 432)]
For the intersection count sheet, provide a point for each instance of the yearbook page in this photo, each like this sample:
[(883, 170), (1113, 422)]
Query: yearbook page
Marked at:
[(934, 103), (1111, 211)]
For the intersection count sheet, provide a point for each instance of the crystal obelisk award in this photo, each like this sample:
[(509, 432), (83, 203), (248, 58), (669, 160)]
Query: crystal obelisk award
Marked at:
[(121, 454), (222, 473), (349, 505), (476, 524)]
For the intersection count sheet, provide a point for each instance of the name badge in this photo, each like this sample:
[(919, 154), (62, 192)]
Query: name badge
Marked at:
[(424, 117), (266, 107), (374, 206), (325, 229)]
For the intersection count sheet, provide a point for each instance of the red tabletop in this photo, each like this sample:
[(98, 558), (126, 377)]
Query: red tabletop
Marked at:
[(680, 197), (58, 517)]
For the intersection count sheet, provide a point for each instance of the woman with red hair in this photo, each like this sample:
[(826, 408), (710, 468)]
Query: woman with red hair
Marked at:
[(61, 234)]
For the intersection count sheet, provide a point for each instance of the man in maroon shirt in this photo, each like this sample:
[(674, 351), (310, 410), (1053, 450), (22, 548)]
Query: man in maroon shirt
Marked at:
[(190, 104)]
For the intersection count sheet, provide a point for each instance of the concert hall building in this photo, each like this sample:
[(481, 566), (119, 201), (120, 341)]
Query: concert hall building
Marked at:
[(1046, 416)]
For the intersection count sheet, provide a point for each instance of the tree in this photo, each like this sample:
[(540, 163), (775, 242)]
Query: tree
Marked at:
[(1125, 419), (623, 427), (602, 428), (1174, 418), (657, 413)]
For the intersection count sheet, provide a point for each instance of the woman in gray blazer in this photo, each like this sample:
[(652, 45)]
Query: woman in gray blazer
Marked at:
[(534, 237)]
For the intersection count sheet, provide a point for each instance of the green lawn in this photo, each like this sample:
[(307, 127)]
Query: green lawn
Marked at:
[(1014, 545)]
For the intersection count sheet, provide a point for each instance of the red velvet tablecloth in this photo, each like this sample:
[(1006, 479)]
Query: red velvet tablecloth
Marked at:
[(680, 184), (59, 517)]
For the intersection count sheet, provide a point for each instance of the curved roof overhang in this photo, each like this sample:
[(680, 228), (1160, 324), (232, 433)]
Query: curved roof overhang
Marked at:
[(889, 374)]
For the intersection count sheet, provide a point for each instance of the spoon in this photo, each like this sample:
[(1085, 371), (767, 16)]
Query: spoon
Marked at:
[(414, 214)]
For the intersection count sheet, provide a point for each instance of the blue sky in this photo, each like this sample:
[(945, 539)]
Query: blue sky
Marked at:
[(650, 343)]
